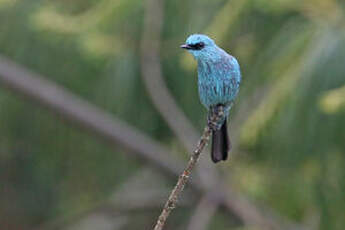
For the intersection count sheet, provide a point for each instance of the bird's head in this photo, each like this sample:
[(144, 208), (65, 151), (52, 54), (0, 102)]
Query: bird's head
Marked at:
[(200, 46)]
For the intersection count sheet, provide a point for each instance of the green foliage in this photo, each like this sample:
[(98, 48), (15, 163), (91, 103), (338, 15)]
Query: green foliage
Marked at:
[(292, 143)]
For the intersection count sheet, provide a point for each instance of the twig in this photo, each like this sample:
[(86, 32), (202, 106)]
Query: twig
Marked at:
[(171, 202), (183, 178)]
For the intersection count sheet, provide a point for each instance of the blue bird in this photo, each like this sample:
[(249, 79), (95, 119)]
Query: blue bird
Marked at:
[(219, 80)]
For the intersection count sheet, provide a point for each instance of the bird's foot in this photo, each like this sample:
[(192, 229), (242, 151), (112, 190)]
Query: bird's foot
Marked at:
[(215, 116)]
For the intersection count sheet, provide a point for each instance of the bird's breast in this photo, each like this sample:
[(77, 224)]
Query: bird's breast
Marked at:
[(218, 83)]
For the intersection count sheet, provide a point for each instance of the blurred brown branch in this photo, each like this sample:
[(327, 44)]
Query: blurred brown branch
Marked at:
[(203, 214), (92, 119), (153, 80), (82, 113)]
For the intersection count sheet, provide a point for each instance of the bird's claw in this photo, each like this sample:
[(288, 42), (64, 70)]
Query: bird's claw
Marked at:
[(212, 125), (216, 114)]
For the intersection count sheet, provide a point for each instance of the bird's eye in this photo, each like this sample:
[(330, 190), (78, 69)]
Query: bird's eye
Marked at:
[(199, 46)]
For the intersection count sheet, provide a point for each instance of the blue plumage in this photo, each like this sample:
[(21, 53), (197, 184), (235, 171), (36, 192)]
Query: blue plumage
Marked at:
[(219, 80)]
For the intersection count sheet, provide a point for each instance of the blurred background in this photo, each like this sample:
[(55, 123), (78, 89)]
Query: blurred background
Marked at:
[(99, 111)]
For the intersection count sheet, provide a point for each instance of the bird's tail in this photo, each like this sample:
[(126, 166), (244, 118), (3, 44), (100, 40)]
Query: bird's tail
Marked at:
[(221, 144)]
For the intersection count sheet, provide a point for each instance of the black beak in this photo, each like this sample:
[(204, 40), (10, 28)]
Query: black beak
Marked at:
[(186, 46)]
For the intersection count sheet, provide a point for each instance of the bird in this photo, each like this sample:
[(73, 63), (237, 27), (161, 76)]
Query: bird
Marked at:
[(219, 79)]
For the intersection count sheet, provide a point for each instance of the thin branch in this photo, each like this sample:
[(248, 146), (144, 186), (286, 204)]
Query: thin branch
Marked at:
[(172, 200), (183, 178)]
